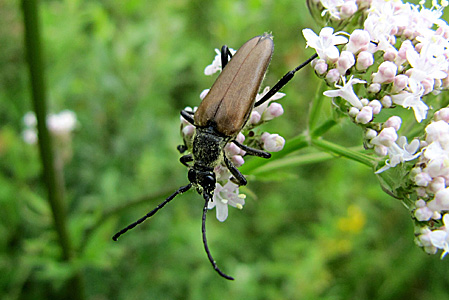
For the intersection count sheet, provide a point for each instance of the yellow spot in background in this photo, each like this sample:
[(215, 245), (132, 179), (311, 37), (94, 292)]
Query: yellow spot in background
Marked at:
[(354, 221)]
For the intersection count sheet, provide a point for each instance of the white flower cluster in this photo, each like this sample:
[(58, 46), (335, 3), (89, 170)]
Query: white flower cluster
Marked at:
[(226, 191), (430, 175), (400, 58), (60, 125)]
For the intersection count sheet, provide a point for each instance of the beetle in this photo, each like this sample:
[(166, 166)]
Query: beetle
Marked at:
[(219, 118)]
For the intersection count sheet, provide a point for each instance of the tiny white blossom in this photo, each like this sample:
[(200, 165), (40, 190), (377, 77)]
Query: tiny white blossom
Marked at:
[(324, 44), (400, 152), (440, 238), (215, 66), (224, 196), (347, 92), (413, 100)]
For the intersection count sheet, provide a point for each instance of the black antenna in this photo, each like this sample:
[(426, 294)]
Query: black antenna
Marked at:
[(284, 80), (151, 213), (203, 228)]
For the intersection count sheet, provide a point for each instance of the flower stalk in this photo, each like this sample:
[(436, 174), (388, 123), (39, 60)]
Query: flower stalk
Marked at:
[(52, 175)]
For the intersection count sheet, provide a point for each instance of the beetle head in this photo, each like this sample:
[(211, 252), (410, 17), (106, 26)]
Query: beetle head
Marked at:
[(204, 180)]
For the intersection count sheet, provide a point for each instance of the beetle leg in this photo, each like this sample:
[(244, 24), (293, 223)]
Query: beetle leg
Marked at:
[(181, 148), (225, 53), (283, 81), (252, 151), (188, 116), (241, 180), (185, 159)]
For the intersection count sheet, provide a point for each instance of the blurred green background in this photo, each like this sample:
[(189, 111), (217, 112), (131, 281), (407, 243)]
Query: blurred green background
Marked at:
[(321, 231)]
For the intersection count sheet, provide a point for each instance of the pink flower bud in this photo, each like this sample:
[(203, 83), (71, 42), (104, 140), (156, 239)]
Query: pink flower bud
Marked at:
[(274, 110), (188, 130), (320, 67), (380, 150), (394, 122), (374, 88), (428, 85), (400, 82), (376, 105), (365, 59), (240, 138), (423, 214), (237, 160), (386, 101), (365, 115), (348, 9), (442, 114), (441, 201), (370, 133), (232, 149), (386, 137), (345, 61), (353, 111), (332, 76), (422, 179), (254, 118), (437, 184), (272, 142), (358, 41), (386, 73), (402, 53), (390, 54)]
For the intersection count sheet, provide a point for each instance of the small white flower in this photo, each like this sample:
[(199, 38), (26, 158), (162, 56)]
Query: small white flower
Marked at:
[(224, 196), (413, 100), (347, 92), (324, 44), (215, 66), (440, 238), (62, 123), (400, 152)]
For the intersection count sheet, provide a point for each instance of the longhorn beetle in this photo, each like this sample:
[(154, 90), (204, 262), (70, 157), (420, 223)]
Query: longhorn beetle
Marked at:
[(219, 118)]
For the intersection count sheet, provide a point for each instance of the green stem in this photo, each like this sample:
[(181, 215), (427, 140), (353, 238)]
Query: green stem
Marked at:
[(345, 152), (51, 178), (316, 107), (299, 160)]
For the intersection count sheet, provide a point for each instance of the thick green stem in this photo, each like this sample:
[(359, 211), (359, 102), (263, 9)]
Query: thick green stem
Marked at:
[(51, 178)]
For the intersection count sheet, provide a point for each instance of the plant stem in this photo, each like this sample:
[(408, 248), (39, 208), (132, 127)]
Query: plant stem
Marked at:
[(53, 182), (297, 160), (345, 152)]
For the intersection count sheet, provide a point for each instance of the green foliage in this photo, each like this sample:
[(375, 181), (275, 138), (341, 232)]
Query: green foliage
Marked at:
[(324, 231)]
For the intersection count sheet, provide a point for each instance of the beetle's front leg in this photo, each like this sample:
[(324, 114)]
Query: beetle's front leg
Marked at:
[(241, 180)]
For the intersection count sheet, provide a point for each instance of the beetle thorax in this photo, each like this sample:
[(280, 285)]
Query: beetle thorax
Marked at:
[(208, 147)]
